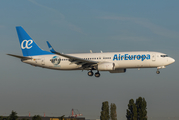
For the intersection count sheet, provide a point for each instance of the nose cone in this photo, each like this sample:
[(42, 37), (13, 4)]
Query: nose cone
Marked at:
[(171, 60)]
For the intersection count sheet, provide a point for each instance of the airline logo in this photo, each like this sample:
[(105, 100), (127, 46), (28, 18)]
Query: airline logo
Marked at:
[(55, 60), (131, 57), (26, 44)]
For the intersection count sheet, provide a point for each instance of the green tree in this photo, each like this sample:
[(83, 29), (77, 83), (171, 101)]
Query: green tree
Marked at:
[(113, 114), (13, 116), (131, 111), (105, 111), (36, 117), (3, 118), (141, 105)]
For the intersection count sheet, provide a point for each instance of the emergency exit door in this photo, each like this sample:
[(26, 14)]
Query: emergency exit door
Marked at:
[(43, 61), (153, 57)]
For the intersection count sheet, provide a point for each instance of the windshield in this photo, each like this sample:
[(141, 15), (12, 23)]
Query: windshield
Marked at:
[(164, 55)]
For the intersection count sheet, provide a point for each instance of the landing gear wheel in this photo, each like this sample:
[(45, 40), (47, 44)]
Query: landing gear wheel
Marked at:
[(90, 73), (97, 74), (158, 72)]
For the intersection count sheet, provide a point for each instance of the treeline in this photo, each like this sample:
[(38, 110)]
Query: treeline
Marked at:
[(136, 110), (13, 116)]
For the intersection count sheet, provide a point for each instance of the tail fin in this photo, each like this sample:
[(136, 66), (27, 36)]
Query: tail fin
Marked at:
[(28, 46)]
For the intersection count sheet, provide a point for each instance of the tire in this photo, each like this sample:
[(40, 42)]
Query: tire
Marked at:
[(158, 72), (90, 73), (97, 74)]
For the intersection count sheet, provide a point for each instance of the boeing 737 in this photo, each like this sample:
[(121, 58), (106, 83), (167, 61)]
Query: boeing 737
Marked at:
[(114, 62)]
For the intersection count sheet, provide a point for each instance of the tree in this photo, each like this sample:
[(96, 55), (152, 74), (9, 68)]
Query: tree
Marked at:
[(137, 111), (131, 111), (113, 114), (141, 105), (13, 116), (105, 111), (36, 117), (3, 118)]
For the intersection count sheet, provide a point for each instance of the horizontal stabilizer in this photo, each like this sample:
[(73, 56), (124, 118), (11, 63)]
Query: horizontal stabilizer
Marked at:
[(18, 56)]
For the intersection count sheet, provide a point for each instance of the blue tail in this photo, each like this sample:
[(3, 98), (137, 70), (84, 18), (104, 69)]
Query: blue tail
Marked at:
[(28, 46)]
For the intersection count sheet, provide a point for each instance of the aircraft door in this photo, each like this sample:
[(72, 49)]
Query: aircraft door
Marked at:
[(43, 61), (153, 57)]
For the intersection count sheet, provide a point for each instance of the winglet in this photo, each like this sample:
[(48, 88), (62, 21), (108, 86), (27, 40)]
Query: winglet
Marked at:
[(51, 48)]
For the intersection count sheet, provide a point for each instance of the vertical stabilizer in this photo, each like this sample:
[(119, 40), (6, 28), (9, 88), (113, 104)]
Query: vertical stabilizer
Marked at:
[(28, 45)]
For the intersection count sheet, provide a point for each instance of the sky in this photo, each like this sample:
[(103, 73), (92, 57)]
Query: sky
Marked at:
[(78, 27)]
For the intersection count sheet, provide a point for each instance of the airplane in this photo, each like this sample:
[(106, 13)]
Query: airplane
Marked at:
[(114, 62)]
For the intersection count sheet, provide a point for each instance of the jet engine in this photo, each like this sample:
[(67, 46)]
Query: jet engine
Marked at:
[(106, 66)]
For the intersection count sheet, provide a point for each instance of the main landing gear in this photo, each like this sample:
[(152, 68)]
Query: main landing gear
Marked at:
[(97, 74), (158, 72)]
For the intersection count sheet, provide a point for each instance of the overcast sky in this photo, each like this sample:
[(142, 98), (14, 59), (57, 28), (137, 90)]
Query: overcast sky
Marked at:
[(75, 26)]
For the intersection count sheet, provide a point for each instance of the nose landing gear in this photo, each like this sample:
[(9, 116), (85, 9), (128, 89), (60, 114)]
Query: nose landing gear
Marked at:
[(158, 72)]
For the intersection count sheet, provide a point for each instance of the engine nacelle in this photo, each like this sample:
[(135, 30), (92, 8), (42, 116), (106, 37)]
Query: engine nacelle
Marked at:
[(118, 71), (106, 66)]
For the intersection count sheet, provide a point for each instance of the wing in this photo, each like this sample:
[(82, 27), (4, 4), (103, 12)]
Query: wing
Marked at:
[(74, 60)]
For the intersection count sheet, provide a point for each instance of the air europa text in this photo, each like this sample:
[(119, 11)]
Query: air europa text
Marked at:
[(131, 57)]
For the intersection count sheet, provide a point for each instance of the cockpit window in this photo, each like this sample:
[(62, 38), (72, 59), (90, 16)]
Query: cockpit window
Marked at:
[(164, 55)]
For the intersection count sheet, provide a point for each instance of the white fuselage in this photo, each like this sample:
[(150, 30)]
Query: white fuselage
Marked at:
[(122, 60)]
